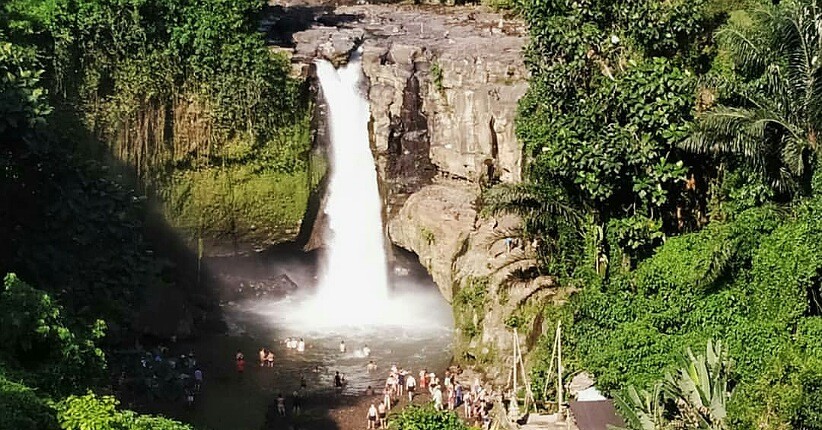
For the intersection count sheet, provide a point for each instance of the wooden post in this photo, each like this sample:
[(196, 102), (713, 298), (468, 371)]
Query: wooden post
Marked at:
[(560, 410), (515, 363)]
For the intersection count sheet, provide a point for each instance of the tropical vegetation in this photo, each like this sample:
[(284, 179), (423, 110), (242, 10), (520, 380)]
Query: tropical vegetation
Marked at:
[(673, 183), (102, 103)]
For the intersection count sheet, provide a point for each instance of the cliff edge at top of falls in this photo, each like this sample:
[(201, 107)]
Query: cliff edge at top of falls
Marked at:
[(443, 85)]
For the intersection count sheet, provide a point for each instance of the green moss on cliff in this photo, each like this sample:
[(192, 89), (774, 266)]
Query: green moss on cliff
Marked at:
[(469, 302), (244, 192)]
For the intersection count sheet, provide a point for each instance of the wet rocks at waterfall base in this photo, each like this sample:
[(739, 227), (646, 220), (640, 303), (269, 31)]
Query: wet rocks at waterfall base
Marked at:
[(238, 288)]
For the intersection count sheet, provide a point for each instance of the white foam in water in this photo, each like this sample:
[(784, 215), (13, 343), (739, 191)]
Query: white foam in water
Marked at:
[(353, 284)]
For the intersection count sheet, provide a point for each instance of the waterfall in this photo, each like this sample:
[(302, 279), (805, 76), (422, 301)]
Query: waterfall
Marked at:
[(353, 283)]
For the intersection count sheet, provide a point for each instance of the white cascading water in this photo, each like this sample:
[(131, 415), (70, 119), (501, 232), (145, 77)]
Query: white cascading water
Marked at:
[(353, 287)]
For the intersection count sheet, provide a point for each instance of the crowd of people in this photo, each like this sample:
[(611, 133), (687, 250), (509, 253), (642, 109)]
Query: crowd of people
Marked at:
[(164, 376), (448, 393)]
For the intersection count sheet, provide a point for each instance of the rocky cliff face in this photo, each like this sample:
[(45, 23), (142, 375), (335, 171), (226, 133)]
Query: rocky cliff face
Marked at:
[(443, 85)]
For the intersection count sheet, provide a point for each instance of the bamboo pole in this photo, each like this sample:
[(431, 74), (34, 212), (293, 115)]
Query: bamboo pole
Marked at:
[(560, 393)]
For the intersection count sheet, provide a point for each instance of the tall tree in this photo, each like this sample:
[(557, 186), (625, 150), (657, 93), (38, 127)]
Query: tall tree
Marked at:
[(773, 113)]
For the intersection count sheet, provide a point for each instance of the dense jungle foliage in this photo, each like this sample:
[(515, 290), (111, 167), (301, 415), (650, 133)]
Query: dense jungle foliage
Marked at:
[(183, 96), (673, 183), (99, 101)]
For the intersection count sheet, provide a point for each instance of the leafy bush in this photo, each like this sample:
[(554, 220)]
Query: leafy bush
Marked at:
[(91, 412), (21, 409), (425, 418), (40, 348)]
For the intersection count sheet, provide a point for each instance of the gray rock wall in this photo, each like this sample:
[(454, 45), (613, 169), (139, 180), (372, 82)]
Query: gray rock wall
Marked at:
[(443, 86)]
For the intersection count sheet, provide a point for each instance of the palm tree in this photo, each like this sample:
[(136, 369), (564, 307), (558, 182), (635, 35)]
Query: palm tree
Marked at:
[(772, 126), (539, 205), (543, 209)]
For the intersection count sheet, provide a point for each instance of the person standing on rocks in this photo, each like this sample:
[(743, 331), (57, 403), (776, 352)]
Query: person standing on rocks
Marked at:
[(437, 398), (296, 403), (342, 346), (411, 386), (372, 417), (400, 382), (386, 398), (381, 410)]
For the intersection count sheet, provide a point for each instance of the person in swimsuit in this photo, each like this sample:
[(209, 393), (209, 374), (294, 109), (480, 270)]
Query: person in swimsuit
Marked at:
[(263, 355), (372, 417), (386, 398), (281, 404), (342, 346), (337, 380), (381, 411)]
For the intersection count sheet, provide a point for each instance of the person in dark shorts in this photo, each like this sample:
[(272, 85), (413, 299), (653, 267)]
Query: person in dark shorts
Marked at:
[(381, 412), (372, 417), (296, 402), (338, 380)]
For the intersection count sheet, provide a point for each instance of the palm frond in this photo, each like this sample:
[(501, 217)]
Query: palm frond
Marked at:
[(778, 107), (528, 201)]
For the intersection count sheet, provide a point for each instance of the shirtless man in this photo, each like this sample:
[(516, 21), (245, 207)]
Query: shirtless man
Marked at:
[(381, 411), (372, 417)]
